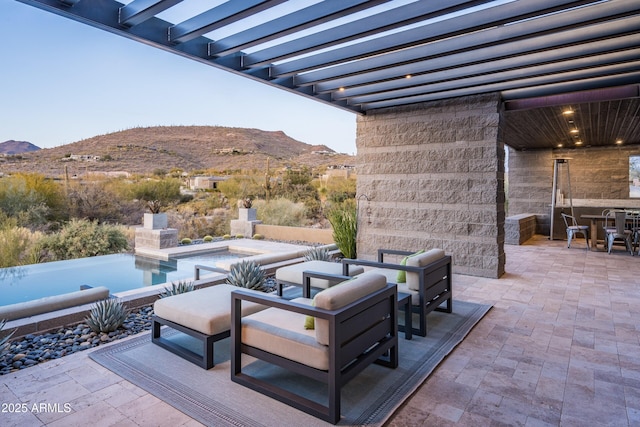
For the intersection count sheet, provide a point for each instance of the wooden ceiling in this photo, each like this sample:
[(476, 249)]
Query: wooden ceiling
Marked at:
[(599, 118)]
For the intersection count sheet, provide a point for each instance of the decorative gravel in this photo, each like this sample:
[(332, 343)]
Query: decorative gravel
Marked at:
[(36, 348)]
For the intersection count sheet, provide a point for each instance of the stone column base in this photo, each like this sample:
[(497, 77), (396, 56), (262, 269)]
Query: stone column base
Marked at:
[(156, 239), (246, 228)]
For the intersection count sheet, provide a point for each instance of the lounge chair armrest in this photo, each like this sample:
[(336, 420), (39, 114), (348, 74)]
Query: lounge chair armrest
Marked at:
[(382, 252), (276, 302), (347, 262)]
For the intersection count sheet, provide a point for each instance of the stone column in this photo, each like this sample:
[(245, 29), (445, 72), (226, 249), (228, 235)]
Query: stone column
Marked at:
[(432, 175)]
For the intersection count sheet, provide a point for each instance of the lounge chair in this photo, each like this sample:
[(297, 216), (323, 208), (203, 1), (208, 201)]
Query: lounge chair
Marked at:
[(428, 280), (355, 325)]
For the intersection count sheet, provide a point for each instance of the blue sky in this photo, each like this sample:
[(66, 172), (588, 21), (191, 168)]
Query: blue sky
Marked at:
[(63, 81)]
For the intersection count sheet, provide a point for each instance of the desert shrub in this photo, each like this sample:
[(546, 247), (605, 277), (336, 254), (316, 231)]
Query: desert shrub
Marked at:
[(156, 193), (4, 341), (177, 288), (186, 241), (207, 238), (191, 225), (258, 236), (246, 274), (18, 245), (343, 219), (81, 238), (97, 201), (107, 315), (317, 254), (281, 211), (32, 199)]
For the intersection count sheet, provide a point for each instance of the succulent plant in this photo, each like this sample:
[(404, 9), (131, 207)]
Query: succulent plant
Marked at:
[(186, 241), (107, 315), (258, 237), (246, 274), (247, 203), (239, 236), (317, 254), (180, 288), (226, 236), (4, 341), (207, 238)]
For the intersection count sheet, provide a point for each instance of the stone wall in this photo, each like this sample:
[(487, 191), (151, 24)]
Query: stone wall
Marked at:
[(596, 173), (431, 175)]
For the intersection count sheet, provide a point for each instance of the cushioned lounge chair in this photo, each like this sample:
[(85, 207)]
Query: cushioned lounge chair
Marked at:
[(355, 325), (428, 280)]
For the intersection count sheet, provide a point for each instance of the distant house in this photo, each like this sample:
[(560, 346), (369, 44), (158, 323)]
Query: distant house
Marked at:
[(205, 182)]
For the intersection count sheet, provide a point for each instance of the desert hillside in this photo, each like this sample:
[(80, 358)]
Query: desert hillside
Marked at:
[(190, 148)]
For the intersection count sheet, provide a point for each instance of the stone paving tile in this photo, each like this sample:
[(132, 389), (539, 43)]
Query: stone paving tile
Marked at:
[(560, 347)]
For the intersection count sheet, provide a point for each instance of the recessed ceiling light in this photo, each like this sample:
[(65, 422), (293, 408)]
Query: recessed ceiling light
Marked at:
[(619, 141), (574, 131), (567, 112), (408, 76), (341, 89), (559, 145), (578, 142)]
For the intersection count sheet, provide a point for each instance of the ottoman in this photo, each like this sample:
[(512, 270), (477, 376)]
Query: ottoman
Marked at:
[(204, 314)]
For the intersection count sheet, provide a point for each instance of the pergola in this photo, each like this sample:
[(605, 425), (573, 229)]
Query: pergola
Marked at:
[(540, 55)]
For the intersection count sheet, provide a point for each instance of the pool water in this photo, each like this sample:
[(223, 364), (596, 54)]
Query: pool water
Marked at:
[(118, 273)]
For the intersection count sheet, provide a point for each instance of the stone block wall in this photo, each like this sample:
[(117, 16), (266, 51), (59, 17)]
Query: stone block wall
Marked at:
[(432, 175), (596, 173)]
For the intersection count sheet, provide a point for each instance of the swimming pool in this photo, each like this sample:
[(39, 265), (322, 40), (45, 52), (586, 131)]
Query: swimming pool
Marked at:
[(119, 272)]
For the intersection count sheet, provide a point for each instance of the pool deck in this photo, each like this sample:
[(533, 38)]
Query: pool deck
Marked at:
[(559, 348)]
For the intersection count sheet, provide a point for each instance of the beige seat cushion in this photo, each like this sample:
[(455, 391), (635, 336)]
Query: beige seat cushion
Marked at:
[(205, 310), (281, 332), (422, 260), (293, 273), (342, 294)]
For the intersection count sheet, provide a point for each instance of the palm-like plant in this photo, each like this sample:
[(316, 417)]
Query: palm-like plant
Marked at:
[(345, 229)]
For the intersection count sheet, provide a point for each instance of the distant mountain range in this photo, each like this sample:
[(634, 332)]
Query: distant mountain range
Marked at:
[(17, 147), (190, 148)]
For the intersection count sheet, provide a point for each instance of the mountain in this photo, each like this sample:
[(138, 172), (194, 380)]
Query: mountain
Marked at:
[(17, 147), (190, 148)]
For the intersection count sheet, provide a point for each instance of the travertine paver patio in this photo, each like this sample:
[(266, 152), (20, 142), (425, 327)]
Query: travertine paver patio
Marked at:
[(560, 347)]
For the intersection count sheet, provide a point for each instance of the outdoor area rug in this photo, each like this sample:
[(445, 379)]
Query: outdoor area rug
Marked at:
[(211, 398)]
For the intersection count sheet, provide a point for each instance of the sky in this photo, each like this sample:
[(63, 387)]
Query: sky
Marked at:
[(63, 81)]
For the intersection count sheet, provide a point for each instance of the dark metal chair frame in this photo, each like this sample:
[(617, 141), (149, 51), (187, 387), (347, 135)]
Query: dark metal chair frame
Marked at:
[(435, 283), (358, 337)]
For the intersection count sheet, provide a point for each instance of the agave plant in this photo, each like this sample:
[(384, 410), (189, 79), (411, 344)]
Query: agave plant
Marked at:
[(4, 341), (176, 289), (246, 274), (107, 315), (317, 253)]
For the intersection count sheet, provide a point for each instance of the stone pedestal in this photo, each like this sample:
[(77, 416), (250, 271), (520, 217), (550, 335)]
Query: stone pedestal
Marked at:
[(156, 239), (245, 223)]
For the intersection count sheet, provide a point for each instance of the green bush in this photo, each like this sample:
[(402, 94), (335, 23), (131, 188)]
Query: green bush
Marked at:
[(226, 237), (186, 241), (239, 236), (344, 221), (81, 238), (207, 238), (258, 237)]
